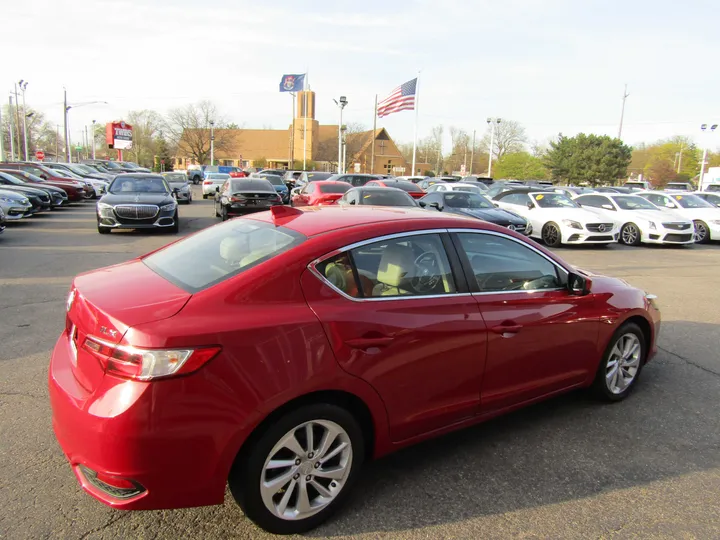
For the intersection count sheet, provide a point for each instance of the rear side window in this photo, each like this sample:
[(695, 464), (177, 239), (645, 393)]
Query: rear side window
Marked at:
[(334, 188), (221, 252)]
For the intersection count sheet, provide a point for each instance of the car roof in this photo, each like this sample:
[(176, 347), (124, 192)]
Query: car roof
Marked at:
[(330, 182)]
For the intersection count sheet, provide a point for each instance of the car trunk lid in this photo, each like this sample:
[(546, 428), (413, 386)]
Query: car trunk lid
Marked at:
[(104, 304)]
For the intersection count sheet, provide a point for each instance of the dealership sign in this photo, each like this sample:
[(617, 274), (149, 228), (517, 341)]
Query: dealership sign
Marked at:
[(119, 135)]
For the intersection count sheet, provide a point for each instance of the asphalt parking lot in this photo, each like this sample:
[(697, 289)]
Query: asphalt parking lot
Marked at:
[(568, 468)]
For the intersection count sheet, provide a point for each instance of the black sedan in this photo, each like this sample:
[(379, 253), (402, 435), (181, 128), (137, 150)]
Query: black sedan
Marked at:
[(239, 196), (477, 206), (138, 201), (179, 182), (39, 198), (58, 196)]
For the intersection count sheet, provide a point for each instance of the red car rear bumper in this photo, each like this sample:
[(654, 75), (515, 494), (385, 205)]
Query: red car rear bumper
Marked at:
[(117, 430)]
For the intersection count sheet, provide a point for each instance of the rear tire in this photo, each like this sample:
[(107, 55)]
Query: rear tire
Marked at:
[(250, 470), (551, 235), (621, 364)]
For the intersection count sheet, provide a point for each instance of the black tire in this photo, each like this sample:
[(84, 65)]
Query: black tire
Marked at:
[(551, 235), (631, 231), (215, 208), (205, 196), (246, 474), (601, 386), (702, 233), (176, 226), (223, 213), (103, 230)]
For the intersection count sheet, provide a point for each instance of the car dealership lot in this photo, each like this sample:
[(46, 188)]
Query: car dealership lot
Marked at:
[(569, 468)]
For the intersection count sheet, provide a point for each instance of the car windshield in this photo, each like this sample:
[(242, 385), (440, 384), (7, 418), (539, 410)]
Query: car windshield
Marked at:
[(175, 178), (131, 165), (405, 186), (464, 199), (225, 251), (340, 187), (131, 184), (65, 173), (691, 201), (273, 179), (84, 169), (672, 185), (469, 189), (217, 176), (633, 202), (315, 176), (111, 165), (553, 200), (386, 197), (10, 179)]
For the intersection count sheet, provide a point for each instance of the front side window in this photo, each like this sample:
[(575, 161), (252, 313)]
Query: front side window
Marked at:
[(658, 200), (596, 201), (218, 253), (521, 199), (463, 199), (500, 264)]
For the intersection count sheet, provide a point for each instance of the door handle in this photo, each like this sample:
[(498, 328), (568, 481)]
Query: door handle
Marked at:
[(507, 329), (369, 343)]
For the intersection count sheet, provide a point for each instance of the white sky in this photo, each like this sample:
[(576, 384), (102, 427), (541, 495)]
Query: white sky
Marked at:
[(553, 65)]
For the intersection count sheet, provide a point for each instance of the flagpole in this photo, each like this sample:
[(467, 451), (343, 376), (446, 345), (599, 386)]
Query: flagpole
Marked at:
[(305, 113), (291, 165), (372, 155), (417, 110)]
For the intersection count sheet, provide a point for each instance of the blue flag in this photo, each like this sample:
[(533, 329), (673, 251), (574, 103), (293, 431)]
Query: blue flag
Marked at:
[(292, 83)]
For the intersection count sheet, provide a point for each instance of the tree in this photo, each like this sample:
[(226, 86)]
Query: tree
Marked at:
[(521, 166), (147, 128), (163, 153), (189, 128), (591, 159), (509, 137)]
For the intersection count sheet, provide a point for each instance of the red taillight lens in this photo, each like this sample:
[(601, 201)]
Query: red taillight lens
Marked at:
[(147, 364), (236, 199), (207, 182)]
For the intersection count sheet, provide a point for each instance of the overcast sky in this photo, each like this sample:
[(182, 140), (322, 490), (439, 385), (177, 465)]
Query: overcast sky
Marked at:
[(552, 65)]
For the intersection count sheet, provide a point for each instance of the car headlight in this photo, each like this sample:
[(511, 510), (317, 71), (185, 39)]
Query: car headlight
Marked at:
[(25, 201), (572, 224), (652, 225), (104, 209), (528, 228), (168, 207)]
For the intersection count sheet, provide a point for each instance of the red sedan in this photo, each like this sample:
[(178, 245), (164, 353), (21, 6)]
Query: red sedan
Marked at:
[(38, 174), (279, 351), (320, 193), (412, 189)]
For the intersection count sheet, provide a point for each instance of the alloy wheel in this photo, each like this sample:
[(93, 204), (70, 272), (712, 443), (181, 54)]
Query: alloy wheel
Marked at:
[(550, 235), (306, 470), (629, 234), (700, 233), (623, 363)]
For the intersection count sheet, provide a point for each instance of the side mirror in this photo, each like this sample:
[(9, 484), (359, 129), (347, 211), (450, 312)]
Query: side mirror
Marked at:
[(437, 206), (578, 285), (530, 205), (44, 176), (496, 205), (608, 207), (352, 202), (422, 204)]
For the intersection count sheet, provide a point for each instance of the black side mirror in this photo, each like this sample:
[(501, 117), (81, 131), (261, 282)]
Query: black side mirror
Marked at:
[(578, 285), (496, 205), (422, 204), (530, 205), (437, 206)]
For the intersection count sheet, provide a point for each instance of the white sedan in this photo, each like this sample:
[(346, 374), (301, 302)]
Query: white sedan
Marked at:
[(557, 220), (212, 183), (704, 215), (457, 186), (640, 220)]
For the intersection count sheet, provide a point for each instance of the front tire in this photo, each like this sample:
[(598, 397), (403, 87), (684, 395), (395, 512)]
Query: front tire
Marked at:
[(176, 226), (224, 213), (630, 235), (551, 235), (297, 473), (205, 196), (701, 234), (622, 363), (103, 230)]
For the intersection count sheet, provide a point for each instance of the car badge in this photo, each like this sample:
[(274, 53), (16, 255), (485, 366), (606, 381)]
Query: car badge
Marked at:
[(601, 227), (70, 300), (511, 227), (108, 331), (137, 198)]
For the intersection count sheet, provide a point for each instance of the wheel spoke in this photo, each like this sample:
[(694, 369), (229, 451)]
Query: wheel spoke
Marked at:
[(632, 362), (322, 490), (282, 505), (336, 473), (339, 448), (627, 345), (280, 463), (271, 487), (621, 382), (633, 351), (291, 443), (614, 380), (303, 501), (616, 353), (310, 443), (326, 442)]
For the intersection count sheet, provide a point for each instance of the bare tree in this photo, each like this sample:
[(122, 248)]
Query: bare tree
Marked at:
[(147, 127), (189, 128), (509, 137)]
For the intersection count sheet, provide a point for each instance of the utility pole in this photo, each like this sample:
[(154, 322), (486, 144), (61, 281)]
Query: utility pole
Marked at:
[(492, 122), (10, 129), (703, 127), (679, 166), (57, 143), (472, 153), (93, 139), (68, 158), (2, 140), (17, 119), (87, 143), (23, 85), (212, 143), (622, 113), (341, 105)]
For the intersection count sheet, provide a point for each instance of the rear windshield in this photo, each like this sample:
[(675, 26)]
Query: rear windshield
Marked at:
[(221, 252), (340, 187), (387, 197), (713, 187), (315, 176), (274, 180), (406, 186)]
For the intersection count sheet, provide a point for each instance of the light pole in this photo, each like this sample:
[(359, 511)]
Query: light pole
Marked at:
[(23, 86), (341, 105), (703, 127), (472, 153), (491, 122), (2, 140), (93, 141), (212, 143), (66, 108), (10, 128)]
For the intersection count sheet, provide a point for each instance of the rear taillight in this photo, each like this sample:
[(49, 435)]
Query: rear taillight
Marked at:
[(147, 364), (207, 182), (237, 199)]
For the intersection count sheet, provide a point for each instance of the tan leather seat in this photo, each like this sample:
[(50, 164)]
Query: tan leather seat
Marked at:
[(396, 266)]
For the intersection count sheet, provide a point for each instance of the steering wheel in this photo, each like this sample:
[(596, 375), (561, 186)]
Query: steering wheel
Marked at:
[(426, 276)]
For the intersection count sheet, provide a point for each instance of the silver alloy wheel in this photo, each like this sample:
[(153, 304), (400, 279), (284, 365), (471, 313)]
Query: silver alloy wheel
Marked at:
[(623, 363), (629, 234), (306, 469), (700, 232)]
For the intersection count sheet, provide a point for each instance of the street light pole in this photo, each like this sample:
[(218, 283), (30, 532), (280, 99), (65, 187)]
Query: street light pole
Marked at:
[(23, 85), (2, 140), (93, 141), (341, 105), (57, 143), (622, 112), (472, 153), (212, 143), (68, 158), (17, 119), (491, 122), (705, 152), (10, 129)]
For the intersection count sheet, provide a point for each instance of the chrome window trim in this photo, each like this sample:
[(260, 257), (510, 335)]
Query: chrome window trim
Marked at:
[(313, 267), (532, 248)]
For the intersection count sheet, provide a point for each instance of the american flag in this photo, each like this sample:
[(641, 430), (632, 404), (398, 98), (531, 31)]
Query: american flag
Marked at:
[(400, 99)]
